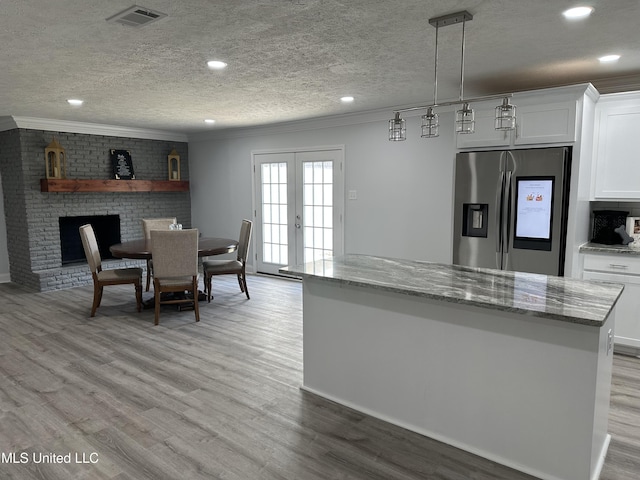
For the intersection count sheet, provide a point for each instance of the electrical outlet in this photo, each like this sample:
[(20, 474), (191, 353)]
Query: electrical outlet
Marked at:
[(609, 341), (353, 194)]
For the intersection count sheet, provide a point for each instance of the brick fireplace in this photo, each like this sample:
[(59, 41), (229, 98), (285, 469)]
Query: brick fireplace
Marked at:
[(32, 216)]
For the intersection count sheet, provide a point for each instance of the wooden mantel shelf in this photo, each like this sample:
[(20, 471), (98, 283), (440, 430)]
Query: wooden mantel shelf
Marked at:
[(83, 185)]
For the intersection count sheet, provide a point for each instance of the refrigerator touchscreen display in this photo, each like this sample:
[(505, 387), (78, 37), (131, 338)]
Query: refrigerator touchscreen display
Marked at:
[(534, 207)]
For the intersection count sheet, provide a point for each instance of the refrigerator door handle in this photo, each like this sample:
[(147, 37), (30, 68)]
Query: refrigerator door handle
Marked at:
[(499, 201), (508, 194)]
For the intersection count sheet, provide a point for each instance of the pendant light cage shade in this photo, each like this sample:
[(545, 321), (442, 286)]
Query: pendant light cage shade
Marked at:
[(430, 124), (465, 122), (505, 116), (397, 129)]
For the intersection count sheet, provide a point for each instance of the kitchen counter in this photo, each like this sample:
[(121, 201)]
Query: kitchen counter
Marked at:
[(558, 298), (612, 249), (512, 367)]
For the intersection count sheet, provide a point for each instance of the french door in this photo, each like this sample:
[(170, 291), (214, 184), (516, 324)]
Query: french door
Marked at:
[(299, 198)]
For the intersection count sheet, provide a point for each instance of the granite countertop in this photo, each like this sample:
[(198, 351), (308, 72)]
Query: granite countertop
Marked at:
[(613, 249), (559, 298)]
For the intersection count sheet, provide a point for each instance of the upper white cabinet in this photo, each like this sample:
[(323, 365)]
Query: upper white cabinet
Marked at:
[(542, 117), (616, 172), (546, 123)]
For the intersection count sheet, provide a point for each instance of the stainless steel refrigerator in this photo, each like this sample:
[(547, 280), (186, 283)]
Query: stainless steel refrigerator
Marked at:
[(510, 209)]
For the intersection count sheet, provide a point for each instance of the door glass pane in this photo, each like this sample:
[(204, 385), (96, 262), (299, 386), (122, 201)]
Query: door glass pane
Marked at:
[(274, 223), (318, 210)]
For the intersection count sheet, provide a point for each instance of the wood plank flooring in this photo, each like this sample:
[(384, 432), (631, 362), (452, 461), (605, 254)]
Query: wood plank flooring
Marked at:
[(218, 399)]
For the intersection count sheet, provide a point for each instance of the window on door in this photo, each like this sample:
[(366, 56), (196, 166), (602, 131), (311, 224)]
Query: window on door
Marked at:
[(317, 181), (274, 213)]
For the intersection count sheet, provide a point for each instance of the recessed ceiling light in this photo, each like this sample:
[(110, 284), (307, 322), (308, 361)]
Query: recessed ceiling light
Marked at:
[(347, 99), (209, 121), (577, 13), (216, 65), (609, 58), (75, 102)]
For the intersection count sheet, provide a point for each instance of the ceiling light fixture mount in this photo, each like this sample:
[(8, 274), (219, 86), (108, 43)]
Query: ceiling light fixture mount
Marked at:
[(505, 114)]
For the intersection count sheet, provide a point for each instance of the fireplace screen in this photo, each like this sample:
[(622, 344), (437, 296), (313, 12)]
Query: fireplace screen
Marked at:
[(106, 228)]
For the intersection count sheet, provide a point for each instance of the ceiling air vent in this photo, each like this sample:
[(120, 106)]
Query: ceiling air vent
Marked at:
[(136, 16)]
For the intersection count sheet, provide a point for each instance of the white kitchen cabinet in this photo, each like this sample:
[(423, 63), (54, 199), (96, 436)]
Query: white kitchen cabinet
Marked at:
[(616, 172), (623, 269), (542, 117), (546, 123)]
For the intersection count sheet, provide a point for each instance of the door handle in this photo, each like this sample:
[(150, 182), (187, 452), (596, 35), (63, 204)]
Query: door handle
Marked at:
[(499, 199), (507, 212)]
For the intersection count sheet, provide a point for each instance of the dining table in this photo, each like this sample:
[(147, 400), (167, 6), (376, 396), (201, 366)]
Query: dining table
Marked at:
[(141, 249)]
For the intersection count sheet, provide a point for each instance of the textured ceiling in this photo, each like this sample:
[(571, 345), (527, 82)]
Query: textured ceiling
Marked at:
[(294, 59)]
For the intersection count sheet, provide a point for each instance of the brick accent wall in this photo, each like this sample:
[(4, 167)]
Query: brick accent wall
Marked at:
[(33, 236)]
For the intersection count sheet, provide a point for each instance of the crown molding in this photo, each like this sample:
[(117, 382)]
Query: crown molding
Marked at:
[(33, 123)]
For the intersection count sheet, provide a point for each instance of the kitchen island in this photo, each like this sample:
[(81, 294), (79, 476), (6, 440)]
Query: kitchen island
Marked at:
[(511, 366)]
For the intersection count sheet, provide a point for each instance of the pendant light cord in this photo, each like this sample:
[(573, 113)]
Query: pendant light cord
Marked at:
[(462, 64), (435, 69)]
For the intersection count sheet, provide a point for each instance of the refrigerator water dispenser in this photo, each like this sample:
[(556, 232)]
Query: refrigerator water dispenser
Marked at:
[(475, 219)]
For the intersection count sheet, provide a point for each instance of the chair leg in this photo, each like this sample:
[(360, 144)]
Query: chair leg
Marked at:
[(138, 286), (246, 290), (196, 309), (97, 297), (148, 275), (207, 287), (156, 292), (240, 282)]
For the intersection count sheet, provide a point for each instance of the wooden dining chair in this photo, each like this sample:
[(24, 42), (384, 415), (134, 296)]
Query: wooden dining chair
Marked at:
[(149, 224), (175, 267), (231, 267), (101, 278)]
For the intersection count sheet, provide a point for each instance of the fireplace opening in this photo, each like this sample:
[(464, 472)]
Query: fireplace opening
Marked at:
[(106, 228)]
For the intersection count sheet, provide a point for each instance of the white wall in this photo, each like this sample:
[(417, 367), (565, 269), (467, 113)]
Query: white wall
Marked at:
[(404, 189), (4, 252)]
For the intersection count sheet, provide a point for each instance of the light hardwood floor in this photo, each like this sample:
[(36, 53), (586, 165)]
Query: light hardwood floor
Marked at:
[(214, 399)]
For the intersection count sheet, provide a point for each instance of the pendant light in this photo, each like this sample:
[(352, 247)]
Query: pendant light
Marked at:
[(465, 122), (397, 129), (505, 113), (505, 116), (430, 124)]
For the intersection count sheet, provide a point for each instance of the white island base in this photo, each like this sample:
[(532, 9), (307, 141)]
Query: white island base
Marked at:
[(528, 392)]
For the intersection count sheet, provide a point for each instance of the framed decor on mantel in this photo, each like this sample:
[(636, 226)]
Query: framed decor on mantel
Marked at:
[(122, 165)]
